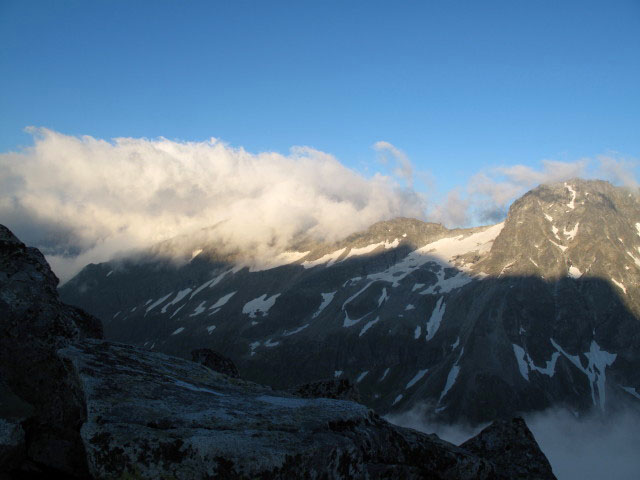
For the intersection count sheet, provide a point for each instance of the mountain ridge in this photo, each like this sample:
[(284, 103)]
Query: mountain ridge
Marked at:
[(415, 313)]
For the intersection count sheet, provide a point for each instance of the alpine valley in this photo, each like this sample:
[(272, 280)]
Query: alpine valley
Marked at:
[(469, 324)]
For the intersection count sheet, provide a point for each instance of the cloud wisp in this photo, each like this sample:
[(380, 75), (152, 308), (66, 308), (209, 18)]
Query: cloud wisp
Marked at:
[(82, 199)]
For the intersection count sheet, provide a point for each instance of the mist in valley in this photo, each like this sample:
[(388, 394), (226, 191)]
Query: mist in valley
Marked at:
[(588, 448)]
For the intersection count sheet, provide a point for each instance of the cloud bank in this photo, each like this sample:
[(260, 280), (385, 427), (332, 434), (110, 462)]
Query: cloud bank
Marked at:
[(81, 200)]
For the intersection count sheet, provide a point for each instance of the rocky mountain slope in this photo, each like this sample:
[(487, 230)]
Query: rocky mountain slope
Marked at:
[(73, 406), (539, 310)]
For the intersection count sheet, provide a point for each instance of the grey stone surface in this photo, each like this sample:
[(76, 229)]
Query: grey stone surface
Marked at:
[(510, 445), (154, 416)]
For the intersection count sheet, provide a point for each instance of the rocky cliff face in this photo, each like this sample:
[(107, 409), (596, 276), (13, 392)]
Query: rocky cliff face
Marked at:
[(539, 310), (75, 406), (33, 325)]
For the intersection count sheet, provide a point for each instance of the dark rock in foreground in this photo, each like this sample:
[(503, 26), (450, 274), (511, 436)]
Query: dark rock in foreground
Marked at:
[(510, 445), (33, 325)]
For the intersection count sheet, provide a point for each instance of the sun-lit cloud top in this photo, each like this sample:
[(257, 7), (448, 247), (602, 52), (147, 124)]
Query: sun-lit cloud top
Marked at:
[(84, 199)]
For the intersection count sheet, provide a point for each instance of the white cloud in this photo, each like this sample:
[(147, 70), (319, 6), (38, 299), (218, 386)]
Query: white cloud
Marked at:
[(618, 170), (83, 199), (403, 167)]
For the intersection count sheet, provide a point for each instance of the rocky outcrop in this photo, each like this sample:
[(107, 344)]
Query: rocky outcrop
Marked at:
[(81, 407), (33, 325), (155, 416), (340, 389), (509, 444), (215, 361)]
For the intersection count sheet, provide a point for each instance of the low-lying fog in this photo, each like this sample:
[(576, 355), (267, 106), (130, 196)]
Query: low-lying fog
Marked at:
[(587, 448)]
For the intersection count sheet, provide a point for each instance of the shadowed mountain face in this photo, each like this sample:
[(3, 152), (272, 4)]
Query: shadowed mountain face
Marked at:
[(539, 310)]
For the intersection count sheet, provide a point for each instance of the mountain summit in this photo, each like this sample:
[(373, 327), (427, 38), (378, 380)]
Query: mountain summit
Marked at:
[(539, 310)]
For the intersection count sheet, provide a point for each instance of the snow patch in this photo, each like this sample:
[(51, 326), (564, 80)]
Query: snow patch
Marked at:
[(548, 217), (176, 312), (398, 398), (409, 307), (157, 302), (110, 272), (384, 375), (297, 330), (619, 285), (526, 364), (598, 361), (222, 301), (284, 258), (635, 259), (436, 317), (571, 234), (262, 305), (195, 253), (337, 373), (571, 204), (417, 333), (329, 259), (368, 325), (178, 330), (270, 344), (199, 309), (361, 376), (446, 285), (441, 252), (632, 391), (574, 272), (370, 248), (452, 377), (383, 297), (211, 328), (561, 247), (418, 376), (253, 347), (179, 296), (326, 300)]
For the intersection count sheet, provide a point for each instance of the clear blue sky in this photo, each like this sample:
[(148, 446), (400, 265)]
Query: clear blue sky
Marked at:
[(458, 86)]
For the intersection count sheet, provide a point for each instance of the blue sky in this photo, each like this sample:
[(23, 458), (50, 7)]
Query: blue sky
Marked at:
[(471, 103), (459, 86)]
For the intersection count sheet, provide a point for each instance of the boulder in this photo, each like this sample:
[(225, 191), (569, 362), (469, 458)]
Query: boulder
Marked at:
[(332, 388), (510, 445), (215, 361)]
